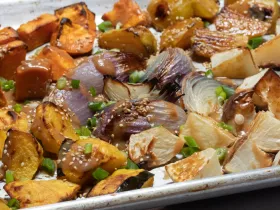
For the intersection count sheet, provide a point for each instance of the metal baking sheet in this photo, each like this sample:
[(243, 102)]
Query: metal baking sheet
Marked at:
[(164, 192)]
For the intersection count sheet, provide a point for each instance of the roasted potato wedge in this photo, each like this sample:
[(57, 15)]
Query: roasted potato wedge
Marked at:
[(77, 167), (199, 165), (206, 9), (123, 180), (79, 14), (7, 35), (22, 154), (219, 136), (137, 40), (60, 60), (73, 38), (51, 126), (38, 32), (128, 14), (206, 43), (31, 193), (28, 72), (11, 55), (180, 33), (234, 64)]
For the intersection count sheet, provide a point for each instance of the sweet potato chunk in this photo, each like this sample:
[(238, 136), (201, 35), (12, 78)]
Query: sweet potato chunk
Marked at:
[(10, 119), (3, 137), (32, 79), (41, 192), (60, 60), (3, 205), (128, 13), (51, 126), (38, 32), (11, 55), (73, 38), (7, 35), (22, 154)]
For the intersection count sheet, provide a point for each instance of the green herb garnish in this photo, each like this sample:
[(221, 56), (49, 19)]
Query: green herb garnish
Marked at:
[(88, 148), (225, 126), (13, 204), (255, 42), (92, 91), (100, 174), (105, 26), (136, 76), (83, 131), (9, 176), (131, 165), (61, 83), (75, 83), (209, 74), (48, 165), (221, 152), (17, 108)]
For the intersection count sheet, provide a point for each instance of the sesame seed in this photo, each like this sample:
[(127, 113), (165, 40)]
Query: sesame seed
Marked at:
[(63, 159), (22, 164), (71, 163), (58, 161)]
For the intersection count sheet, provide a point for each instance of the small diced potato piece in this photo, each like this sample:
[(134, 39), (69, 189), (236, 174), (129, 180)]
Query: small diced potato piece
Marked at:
[(38, 32), (234, 64), (31, 193), (205, 8), (137, 40), (32, 79), (73, 38), (60, 60), (267, 55), (180, 33), (123, 180), (78, 169), (22, 155), (206, 132), (157, 146), (10, 119), (51, 126), (11, 55), (79, 14), (199, 165), (7, 35), (128, 13)]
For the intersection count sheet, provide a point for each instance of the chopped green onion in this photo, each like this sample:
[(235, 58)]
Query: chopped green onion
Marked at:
[(206, 24), (2, 80), (219, 90), (48, 165), (88, 149), (255, 42), (225, 126), (83, 131), (13, 203), (26, 102), (98, 52), (222, 97), (92, 122), (105, 26), (96, 106), (17, 108), (136, 76), (188, 151), (92, 91), (9, 176), (8, 85), (223, 92), (228, 90), (131, 165), (209, 74), (221, 152), (61, 83), (100, 174), (190, 142), (110, 103), (75, 83)]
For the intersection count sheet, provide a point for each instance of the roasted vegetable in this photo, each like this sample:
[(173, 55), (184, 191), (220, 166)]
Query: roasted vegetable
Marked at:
[(206, 9), (3, 205), (235, 64), (38, 31), (206, 43), (128, 14), (227, 2), (123, 180), (155, 146), (22, 154), (73, 38), (77, 167), (12, 120), (61, 61), (41, 192), (200, 165), (11, 55), (28, 72), (7, 35), (137, 40), (3, 99), (51, 126), (201, 127)]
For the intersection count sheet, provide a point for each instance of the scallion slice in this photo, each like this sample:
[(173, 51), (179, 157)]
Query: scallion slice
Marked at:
[(9, 176), (255, 42), (61, 83), (83, 131), (17, 108), (225, 126), (75, 83), (136, 76), (100, 174), (221, 152), (48, 165), (88, 148), (105, 26), (131, 165)]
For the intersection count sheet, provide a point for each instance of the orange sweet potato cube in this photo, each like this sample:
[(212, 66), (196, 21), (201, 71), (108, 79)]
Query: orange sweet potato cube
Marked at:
[(7, 35), (38, 31), (32, 79), (60, 60), (11, 55)]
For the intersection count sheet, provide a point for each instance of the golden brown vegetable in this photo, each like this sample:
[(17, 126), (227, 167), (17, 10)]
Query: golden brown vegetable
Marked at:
[(60, 60), (22, 154), (77, 167), (3, 136), (180, 33), (51, 126), (73, 38), (10, 119), (32, 79), (41, 192), (137, 40), (206, 43), (38, 32), (7, 35), (123, 180), (3, 205), (3, 99), (206, 9), (11, 55), (227, 2)]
